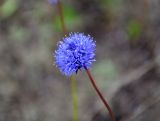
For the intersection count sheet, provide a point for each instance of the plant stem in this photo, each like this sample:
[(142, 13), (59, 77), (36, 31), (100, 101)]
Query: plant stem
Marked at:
[(100, 95), (74, 98), (73, 81), (60, 10)]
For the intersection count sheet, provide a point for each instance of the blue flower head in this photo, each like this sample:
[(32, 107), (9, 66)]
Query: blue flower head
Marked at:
[(75, 52), (52, 2)]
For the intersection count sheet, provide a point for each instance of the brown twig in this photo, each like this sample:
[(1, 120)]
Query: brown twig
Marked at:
[(100, 95)]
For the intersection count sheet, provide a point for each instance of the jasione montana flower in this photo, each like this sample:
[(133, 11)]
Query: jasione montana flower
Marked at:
[(75, 52), (52, 1)]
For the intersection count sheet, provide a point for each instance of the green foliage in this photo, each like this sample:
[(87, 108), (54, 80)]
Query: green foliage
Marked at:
[(110, 2), (133, 29), (113, 5), (70, 16), (8, 8)]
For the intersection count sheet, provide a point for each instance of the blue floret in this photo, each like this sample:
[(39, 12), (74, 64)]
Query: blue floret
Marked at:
[(77, 51), (52, 1)]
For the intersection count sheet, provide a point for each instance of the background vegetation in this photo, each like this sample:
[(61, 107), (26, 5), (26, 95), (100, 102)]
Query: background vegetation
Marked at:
[(127, 33)]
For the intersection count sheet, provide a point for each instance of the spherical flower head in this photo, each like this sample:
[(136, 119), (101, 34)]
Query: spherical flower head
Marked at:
[(52, 2), (77, 51)]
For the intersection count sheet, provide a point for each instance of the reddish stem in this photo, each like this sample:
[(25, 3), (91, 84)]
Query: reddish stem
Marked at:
[(100, 95), (60, 9)]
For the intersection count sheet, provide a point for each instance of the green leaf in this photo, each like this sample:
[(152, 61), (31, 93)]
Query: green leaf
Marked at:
[(133, 29), (8, 8)]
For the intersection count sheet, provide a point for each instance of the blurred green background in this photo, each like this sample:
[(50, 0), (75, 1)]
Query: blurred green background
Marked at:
[(127, 34)]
